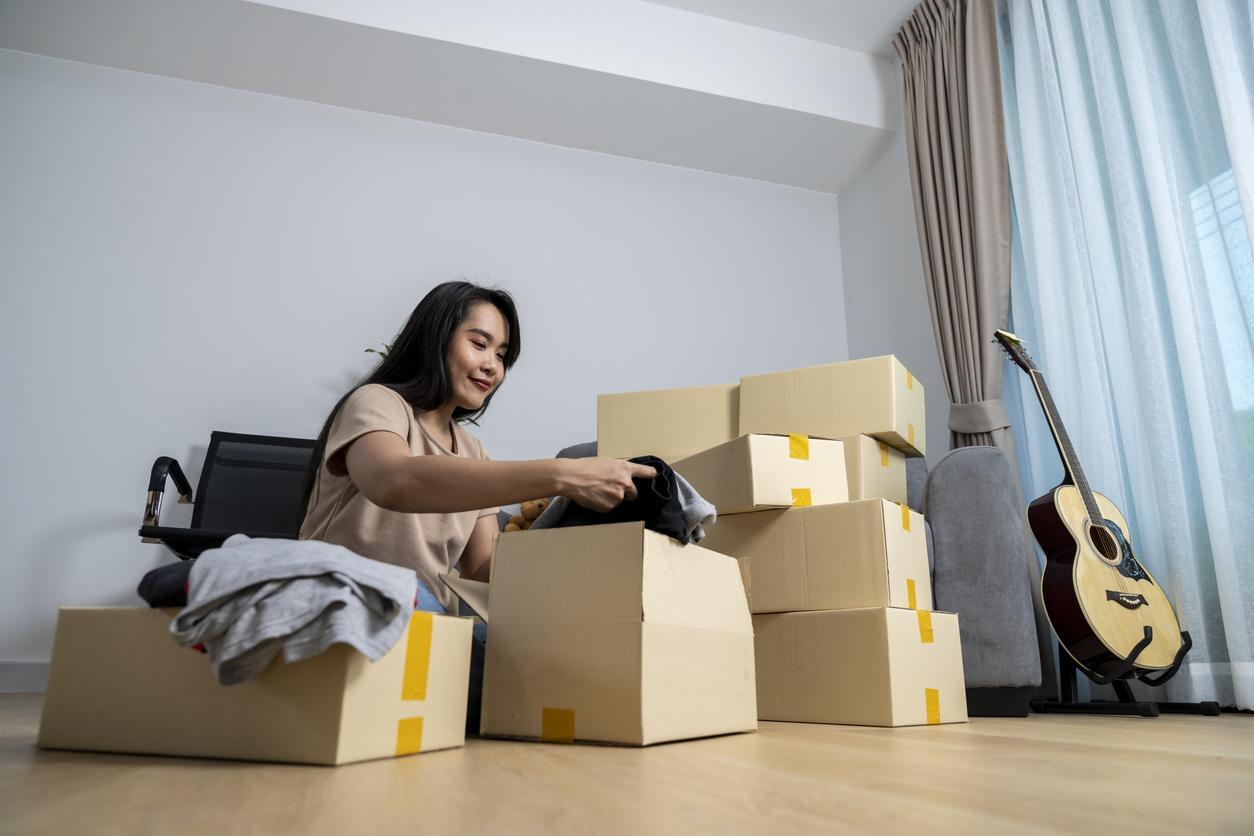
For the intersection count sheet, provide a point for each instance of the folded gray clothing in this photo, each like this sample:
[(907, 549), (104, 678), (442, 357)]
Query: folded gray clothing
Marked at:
[(254, 598)]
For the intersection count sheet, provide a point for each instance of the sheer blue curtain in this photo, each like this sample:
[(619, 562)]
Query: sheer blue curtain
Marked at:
[(1130, 138)]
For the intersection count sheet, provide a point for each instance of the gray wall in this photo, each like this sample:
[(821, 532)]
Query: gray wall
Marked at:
[(177, 258), (885, 300)]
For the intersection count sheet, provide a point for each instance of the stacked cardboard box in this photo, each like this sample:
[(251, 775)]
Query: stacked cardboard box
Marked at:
[(811, 491)]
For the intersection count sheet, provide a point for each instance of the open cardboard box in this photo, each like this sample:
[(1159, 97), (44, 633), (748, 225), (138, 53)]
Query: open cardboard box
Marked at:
[(871, 553), (871, 667), (757, 472), (119, 683), (877, 396), (667, 423), (613, 634)]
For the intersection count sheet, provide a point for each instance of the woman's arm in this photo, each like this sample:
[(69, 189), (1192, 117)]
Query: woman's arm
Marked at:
[(385, 471), (476, 559)]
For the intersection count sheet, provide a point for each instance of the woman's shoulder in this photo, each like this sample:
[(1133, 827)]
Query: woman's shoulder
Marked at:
[(374, 403), (375, 393)]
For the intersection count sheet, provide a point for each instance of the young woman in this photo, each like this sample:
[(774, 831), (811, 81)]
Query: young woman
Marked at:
[(396, 478)]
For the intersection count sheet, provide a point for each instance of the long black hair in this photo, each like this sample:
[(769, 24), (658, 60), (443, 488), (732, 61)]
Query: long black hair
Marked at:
[(415, 366)]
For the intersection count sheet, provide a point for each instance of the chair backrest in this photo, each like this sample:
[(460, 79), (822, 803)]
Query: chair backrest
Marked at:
[(252, 484)]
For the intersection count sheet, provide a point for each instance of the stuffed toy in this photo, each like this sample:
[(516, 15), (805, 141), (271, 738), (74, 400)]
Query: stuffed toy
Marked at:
[(530, 510)]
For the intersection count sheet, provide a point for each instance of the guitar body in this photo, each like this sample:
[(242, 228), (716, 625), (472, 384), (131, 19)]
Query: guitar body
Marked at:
[(1098, 596)]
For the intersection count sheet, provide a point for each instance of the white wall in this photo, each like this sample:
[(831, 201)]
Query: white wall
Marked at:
[(885, 300), (177, 258)]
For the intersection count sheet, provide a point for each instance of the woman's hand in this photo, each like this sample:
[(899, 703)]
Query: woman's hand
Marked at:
[(600, 483)]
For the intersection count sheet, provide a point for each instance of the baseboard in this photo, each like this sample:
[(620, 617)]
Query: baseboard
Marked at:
[(23, 677)]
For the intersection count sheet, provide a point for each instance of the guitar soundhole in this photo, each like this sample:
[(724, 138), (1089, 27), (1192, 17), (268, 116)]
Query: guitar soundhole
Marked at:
[(1105, 543)]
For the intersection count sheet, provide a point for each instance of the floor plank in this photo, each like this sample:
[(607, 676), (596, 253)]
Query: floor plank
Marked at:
[(1041, 774)]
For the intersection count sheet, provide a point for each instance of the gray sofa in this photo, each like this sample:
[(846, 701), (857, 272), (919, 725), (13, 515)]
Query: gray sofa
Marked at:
[(976, 543)]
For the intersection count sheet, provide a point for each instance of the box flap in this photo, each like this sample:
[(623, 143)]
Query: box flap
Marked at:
[(691, 586), (474, 594), (589, 573)]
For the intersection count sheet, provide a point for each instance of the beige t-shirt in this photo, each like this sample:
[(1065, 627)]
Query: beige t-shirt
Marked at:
[(339, 513)]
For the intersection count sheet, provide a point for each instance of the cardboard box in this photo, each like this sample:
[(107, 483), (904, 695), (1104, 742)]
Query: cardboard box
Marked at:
[(871, 553), (119, 683), (868, 667), (667, 423), (616, 634), (756, 472), (876, 397), (874, 469)]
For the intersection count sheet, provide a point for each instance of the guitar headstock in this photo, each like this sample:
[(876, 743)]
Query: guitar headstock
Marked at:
[(1013, 347)]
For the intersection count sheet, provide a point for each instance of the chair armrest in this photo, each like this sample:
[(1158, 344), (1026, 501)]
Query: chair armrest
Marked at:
[(163, 468)]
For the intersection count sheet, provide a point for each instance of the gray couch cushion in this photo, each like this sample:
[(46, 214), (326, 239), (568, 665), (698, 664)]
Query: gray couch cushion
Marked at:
[(578, 451), (916, 481), (981, 571)]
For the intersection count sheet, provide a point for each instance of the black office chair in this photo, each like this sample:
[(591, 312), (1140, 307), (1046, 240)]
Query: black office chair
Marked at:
[(250, 484)]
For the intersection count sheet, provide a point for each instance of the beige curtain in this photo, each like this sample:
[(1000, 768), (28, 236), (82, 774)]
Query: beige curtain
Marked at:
[(952, 116)]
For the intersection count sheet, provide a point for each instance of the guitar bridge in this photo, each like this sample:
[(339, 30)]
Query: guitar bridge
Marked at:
[(1130, 600)]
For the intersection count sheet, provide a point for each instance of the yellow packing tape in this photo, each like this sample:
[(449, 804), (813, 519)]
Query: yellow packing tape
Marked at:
[(417, 657), (925, 627), (801, 497), (910, 433), (905, 517), (909, 380), (414, 680), (883, 453), (931, 697), (798, 446), (557, 725), (911, 599), (409, 736)]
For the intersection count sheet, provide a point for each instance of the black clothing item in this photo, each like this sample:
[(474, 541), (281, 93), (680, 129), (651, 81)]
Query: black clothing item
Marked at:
[(166, 586), (656, 503)]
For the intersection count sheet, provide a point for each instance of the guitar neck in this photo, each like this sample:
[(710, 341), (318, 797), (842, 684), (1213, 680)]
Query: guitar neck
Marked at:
[(1074, 474)]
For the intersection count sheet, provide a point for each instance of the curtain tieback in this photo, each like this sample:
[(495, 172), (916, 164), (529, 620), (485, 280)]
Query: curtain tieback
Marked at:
[(978, 417)]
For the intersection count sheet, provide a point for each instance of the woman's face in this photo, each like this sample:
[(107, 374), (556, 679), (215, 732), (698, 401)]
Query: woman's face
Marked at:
[(476, 356)]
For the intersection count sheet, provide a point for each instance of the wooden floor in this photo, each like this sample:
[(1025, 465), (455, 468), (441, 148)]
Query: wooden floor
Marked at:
[(1040, 774)]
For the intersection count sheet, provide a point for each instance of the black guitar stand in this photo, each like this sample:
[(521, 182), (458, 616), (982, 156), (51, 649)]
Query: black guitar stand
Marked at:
[(1127, 704)]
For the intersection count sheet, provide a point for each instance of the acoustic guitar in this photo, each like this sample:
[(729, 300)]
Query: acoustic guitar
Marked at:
[(1108, 612)]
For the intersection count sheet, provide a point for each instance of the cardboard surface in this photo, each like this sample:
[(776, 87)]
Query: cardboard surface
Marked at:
[(755, 472), (876, 397), (874, 469), (616, 634), (871, 667), (871, 553), (119, 683), (667, 423), (475, 594)]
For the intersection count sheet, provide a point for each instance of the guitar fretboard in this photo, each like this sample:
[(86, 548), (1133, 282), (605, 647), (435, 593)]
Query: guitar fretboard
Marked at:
[(1070, 461)]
